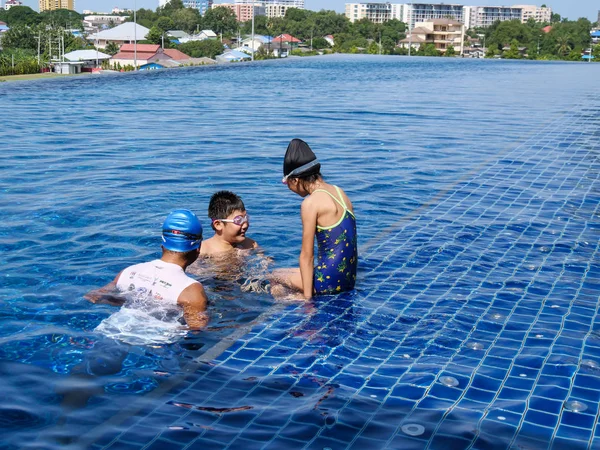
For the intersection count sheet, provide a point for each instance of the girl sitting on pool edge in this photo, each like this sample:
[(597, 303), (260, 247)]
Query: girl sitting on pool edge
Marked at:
[(328, 216)]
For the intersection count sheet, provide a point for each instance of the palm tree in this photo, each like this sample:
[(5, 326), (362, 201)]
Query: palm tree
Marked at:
[(563, 46)]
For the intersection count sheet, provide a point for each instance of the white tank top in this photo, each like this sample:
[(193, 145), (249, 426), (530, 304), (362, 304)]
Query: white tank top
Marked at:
[(157, 279)]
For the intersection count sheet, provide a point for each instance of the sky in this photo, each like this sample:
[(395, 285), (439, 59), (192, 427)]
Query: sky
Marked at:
[(572, 9)]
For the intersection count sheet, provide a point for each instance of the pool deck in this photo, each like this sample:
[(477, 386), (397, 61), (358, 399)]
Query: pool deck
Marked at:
[(423, 360)]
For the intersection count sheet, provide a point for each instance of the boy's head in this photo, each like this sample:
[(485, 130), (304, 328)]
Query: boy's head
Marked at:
[(228, 216)]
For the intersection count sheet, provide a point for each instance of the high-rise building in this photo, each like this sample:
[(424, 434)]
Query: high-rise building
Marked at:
[(485, 16), (51, 5), (200, 5), (375, 12), (471, 16), (539, 14), (243, 11), (423, 12)]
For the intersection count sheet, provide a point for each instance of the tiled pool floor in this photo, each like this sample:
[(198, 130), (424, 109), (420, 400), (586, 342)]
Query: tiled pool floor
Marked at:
[(475, 326)]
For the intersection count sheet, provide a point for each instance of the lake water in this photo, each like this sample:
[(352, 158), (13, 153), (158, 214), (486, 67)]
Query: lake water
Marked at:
[(475, 319)]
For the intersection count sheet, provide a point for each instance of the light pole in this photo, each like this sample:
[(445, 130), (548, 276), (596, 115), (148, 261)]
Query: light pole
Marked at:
[(134, 36), (409, 16), (253, 30)]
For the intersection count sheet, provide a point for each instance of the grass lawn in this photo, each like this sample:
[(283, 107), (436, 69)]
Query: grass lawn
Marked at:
[(34, 76)]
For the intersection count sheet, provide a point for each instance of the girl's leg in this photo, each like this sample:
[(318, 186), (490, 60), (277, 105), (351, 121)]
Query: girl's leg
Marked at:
[(283, 280)]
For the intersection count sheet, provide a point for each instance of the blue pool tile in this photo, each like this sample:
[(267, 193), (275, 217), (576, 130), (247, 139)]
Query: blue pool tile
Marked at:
[(560, 443)]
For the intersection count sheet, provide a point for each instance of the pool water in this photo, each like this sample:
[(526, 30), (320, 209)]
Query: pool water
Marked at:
[(475, 319)]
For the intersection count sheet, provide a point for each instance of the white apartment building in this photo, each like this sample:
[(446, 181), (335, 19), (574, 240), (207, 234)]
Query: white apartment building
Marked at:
[(471, 16), (375, 12), (397, 11), (423, 12), (540, 14)]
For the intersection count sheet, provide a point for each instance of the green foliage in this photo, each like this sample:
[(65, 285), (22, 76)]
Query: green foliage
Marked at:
[(22, 15), (18, 62), (62, 18), (111, 48), (220, 20), (156, 36), (450, 51), (428, 50), (513, 52), (319, 42), (298, 52), (19, 36), (187, 19), (562, 42), (197, 49), (260, 26), (165, 24)]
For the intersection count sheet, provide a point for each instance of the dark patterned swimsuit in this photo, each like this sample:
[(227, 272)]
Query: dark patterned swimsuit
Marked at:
[(337, 253)]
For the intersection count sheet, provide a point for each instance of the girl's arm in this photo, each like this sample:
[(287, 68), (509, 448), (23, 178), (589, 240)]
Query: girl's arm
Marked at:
[(307, 254)]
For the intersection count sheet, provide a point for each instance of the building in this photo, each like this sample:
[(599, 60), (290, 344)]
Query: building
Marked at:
[(485, 16), (539, 14), (276, 9), (233, 56), (51, 5), (91, 59), (200, 5), (443, 33), (423, 12), (123, 34), (291, 3), (375, 12), (243, 11), (10, 3), (104, 20), (397, 11)]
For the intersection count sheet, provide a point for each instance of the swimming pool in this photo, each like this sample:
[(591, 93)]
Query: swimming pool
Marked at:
[(475, 321)]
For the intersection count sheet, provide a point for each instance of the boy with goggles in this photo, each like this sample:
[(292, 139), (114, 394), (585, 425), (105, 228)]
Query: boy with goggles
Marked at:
[(230, 221)]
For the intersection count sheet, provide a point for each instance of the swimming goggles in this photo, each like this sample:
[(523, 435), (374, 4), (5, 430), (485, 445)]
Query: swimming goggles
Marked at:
[(300, 170), (238, 220), (192, 237)]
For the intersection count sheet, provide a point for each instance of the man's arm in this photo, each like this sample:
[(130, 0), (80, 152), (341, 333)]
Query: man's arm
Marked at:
[(106, 294), (308, 213), (193, 301)]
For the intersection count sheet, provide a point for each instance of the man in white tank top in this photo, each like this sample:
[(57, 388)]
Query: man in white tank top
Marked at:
[(164, 279)]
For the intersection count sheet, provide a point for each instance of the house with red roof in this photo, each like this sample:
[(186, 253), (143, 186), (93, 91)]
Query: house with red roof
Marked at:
[(287, 38), (129, 55), (547, 29)]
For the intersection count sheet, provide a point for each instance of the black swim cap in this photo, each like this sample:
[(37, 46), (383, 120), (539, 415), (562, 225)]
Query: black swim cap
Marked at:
[(297, 155)]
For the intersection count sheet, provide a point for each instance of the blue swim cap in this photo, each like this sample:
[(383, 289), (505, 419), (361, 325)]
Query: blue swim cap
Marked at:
[(181, 231)]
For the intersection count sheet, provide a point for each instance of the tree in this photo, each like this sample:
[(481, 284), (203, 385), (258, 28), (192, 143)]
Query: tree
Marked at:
[(428, 50), (165, 24), (187, 19), (513, 52), (155, 36), (111, 48), (62, 18), (197, 49), (220, 20), (170, 8), (320, 43), (563, 45), (555, 18), (260, 26), (19, 37), (22, 15), (450, 51)]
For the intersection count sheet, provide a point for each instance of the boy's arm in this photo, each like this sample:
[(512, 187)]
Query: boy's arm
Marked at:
[(193, 301), (307, 254), (106, 294)]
